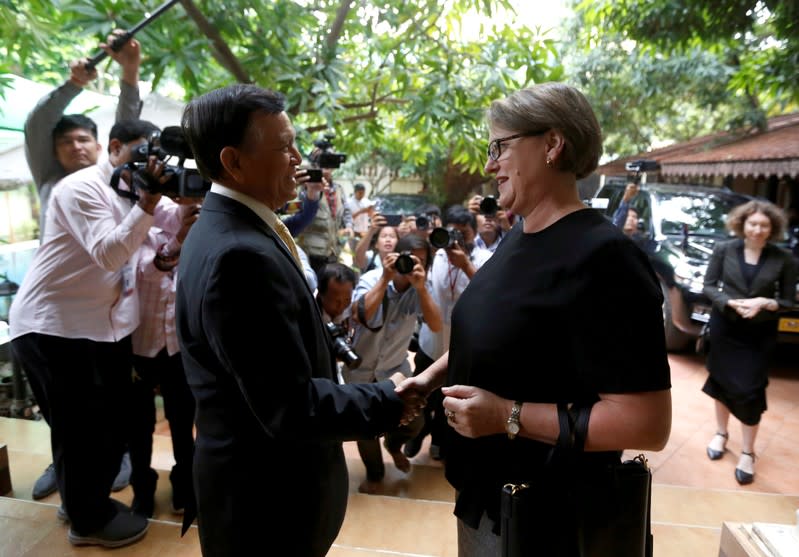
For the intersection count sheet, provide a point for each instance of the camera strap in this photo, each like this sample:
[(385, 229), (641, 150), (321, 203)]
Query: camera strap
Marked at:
[(117, 175), (361, 307)]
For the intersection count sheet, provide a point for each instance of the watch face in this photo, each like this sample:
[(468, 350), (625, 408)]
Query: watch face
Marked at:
[(513, 428)]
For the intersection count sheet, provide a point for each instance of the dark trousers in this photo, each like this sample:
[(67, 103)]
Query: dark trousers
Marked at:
[(435, 423), (166, 371), (372, 455), (83, 390)]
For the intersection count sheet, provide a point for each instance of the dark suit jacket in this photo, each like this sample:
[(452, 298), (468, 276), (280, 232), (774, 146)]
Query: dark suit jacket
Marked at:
[(269, 468), (724, 278)]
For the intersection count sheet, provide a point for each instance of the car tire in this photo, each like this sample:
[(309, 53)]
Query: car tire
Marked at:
[(677, 340)]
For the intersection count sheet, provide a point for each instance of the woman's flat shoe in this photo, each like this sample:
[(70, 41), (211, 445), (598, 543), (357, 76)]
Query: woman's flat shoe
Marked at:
[(717, 446), (745, 471)]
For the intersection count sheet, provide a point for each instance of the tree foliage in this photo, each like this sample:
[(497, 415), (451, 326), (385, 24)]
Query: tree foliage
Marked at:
[(675, 69), (389, 77)]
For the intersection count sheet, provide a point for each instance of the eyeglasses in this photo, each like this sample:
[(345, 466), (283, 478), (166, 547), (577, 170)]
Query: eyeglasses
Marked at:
[(495, 146)]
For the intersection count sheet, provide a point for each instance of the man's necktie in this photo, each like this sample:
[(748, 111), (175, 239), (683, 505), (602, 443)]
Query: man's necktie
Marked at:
[(285, 235)]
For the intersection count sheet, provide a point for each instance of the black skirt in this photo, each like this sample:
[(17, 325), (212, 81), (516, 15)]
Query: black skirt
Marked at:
[(740, 354)]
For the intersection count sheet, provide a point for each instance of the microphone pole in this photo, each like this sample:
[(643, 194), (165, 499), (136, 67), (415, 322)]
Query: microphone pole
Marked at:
[(119, 42)]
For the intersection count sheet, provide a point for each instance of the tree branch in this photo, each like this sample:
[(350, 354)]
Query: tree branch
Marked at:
[(338, 25), (222, 51), (365, 116)]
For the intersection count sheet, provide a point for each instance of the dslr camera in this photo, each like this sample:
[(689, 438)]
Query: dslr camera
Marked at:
[(341, 348), (404, 263), (182, 182), (327, 157), (446, 238)]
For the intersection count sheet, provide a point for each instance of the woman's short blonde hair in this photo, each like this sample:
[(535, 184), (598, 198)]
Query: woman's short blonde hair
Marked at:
[(737, 217), (554, 106)]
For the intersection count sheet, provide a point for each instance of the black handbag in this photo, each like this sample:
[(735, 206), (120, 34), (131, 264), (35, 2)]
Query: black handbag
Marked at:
[(602, 512)]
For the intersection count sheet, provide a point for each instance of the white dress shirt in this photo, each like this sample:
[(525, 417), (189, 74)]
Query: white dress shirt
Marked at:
[(81, 282)]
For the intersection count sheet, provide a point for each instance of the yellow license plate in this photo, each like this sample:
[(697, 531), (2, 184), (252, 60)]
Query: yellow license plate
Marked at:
[(788, 325)]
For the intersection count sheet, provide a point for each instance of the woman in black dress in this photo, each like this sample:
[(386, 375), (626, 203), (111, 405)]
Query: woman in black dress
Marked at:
[(748, 279), (567, 310)]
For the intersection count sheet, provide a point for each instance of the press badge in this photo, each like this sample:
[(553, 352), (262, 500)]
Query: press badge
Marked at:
[(128, 280)]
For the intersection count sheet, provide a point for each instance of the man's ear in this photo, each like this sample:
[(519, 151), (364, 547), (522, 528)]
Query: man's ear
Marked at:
[(114, 147), (231, 163)]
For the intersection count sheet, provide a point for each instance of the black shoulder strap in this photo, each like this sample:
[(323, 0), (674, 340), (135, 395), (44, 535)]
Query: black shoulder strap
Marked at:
[(361, 307)]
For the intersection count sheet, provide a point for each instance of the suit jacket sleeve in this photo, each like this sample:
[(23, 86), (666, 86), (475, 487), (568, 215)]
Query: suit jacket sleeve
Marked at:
[(713, 276), (260, 328)]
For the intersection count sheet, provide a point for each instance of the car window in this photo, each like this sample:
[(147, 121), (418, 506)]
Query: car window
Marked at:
[(704, 214)]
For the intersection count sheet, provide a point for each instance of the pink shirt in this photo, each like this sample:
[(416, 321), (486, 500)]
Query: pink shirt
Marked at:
[(156, 299)]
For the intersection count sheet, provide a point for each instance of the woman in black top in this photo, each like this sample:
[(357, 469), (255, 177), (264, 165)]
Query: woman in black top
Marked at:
[(567, 310), (748, 279)]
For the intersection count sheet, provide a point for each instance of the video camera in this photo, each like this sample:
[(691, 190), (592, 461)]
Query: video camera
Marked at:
[(182, 182), (639, 167), (446, 238), (341, 348), (327, 157)]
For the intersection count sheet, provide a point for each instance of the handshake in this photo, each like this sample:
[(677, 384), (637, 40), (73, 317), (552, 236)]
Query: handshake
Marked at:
[(414, 392)]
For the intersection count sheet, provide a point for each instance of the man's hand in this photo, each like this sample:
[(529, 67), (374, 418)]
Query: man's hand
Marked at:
[(458, 257), (129, 56), (389, 270), (414, 401), (474, 204), (79, 75), (146, 182), (418, 275), (190, 215), (474, 412), (630, 191)]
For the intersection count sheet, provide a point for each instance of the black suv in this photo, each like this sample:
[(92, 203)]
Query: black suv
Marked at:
[(677, 227)]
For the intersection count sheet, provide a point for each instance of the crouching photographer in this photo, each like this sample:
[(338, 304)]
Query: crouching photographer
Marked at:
[(385, 306), (71, 326), (334, 295)]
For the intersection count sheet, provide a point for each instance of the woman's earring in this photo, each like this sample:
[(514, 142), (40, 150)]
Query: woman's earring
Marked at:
[(549, 162)]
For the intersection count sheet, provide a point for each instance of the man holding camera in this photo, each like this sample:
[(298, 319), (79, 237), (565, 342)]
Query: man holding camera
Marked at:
[(58, 144), (333, 219), (454, 265), (71, 323), (385, 306)]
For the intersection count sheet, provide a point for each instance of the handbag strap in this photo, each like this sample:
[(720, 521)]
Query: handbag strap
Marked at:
[(361, 309), (581, 427)]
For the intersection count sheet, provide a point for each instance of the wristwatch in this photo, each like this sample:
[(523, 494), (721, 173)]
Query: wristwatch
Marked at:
[(512, 426)]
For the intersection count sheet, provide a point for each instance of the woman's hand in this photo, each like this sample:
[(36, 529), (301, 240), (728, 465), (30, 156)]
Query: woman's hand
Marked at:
[(748, 308), (475, 412)]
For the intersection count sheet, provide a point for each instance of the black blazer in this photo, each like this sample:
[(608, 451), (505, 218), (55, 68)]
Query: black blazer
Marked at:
[(269, 467), (724, 278)]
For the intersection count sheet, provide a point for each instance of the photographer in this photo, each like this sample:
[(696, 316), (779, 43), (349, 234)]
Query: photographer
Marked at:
[(157, 364), (58, 144), (385, 306), (320, 239), (378, 242), (71, 323), (361, 208), (334, 295), (452, 270), (493, 222), (625, 217)]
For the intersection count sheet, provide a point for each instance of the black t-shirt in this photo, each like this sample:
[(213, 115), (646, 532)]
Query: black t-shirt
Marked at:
[(559, 315)]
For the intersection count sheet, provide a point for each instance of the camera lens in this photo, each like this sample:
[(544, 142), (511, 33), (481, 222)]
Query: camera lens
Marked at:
[(404, 264), (439, 238), (422, 222), (489, 206)]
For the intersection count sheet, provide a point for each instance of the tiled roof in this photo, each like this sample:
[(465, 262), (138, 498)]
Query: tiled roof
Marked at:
[(774, 151)]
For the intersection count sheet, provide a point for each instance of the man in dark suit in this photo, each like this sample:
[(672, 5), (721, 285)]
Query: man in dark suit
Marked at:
[(269, 466)]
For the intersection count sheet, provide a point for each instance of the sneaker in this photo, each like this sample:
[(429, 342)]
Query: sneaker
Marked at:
[(45, 484), (61, 513), (124, 529), (123, 476)]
